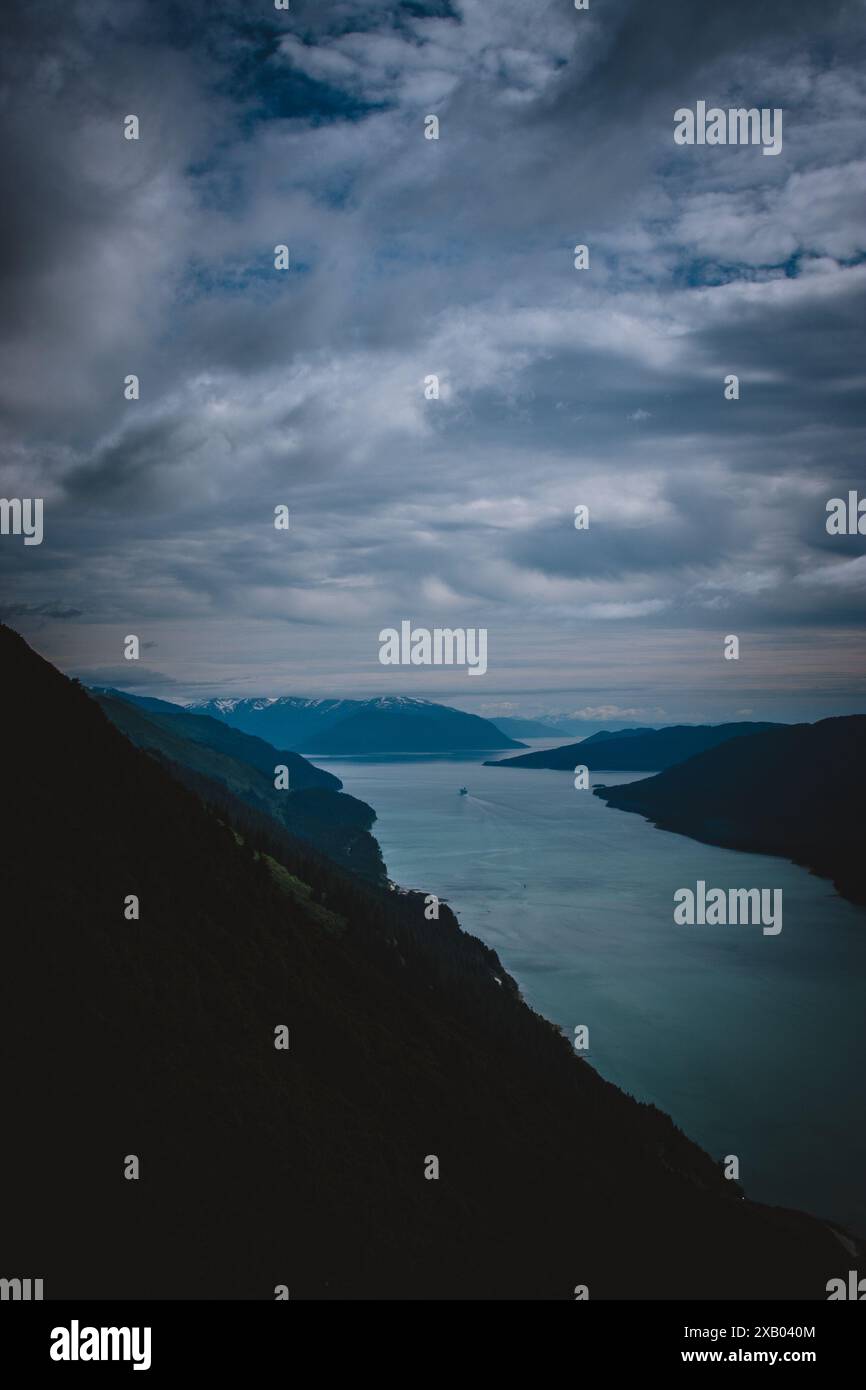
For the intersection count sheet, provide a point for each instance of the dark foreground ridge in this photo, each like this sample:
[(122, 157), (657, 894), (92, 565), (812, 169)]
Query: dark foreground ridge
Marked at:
[(634, 750), (207, 755), (305, 1167), (795, 791)]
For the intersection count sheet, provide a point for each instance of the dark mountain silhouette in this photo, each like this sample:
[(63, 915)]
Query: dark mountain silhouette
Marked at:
[(604, 735), (146, 702), (312, 807), (416, 727), (389, 724), (795, 791), (151, 727), (305, 1167), (635, 750)]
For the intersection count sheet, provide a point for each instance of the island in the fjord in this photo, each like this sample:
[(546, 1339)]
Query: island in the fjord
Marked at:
[(634, 750), (288, 1048), (795, 790)]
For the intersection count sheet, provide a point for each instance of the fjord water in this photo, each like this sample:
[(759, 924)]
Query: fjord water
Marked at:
[(755, 1045)]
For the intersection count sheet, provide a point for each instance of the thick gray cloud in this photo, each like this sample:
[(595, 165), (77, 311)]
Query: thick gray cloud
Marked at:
[(411, 257)]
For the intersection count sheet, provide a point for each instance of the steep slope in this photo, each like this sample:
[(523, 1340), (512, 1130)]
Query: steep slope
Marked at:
[(637, 751), (312, 806), (795, 791), (154, 1037), (145, 702), (176, 723)]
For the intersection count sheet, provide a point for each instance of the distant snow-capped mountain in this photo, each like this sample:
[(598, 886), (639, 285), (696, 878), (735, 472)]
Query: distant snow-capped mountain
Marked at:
[(385, 724)]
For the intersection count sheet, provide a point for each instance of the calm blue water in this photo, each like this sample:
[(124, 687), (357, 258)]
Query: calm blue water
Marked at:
[(755, 1045)]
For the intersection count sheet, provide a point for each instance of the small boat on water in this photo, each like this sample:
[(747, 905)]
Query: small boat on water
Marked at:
[(464, 791)]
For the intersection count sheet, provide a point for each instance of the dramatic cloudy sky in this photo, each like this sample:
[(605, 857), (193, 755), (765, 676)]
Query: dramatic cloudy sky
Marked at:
[(411, 257)]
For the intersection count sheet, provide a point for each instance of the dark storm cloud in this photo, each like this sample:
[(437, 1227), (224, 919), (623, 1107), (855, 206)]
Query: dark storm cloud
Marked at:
[(670, 539), (129, 676), (411, 257), (62, 612)]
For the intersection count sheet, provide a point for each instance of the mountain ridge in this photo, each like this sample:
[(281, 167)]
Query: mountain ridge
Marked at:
[(634, 750), (313, 806), (384, 723), (794, 790), (155, 1036)]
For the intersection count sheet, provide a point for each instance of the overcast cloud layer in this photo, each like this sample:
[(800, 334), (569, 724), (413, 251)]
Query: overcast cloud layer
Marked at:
[(410, 257)]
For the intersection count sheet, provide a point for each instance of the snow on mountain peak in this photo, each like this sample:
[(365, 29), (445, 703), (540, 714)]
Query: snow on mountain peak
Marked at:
[(397, 702)]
